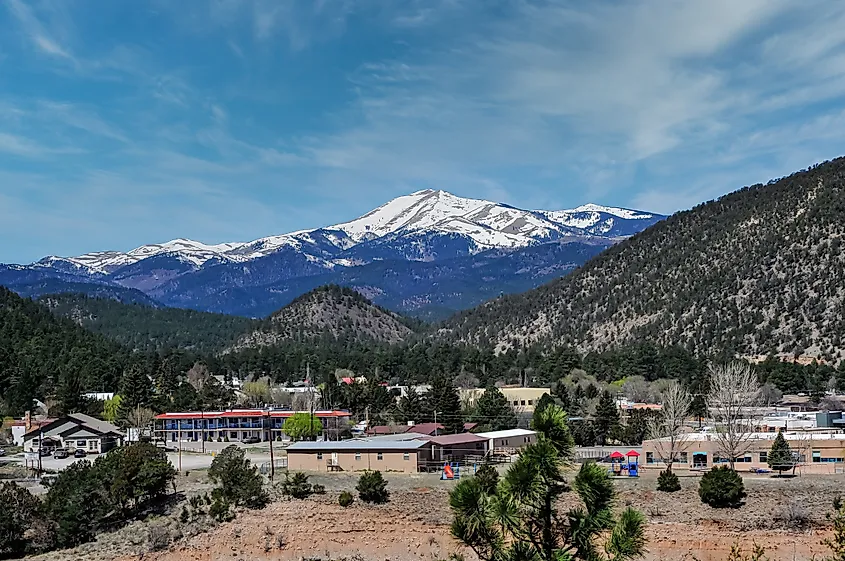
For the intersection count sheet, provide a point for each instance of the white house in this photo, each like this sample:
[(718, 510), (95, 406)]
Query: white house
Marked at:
[(508, 441)]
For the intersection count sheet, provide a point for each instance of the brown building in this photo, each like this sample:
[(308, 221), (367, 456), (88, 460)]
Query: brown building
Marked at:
[(386, 455)]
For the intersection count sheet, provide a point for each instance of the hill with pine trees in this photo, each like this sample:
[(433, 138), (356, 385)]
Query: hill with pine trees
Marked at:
[(330, 314), (43, 355), (147, 328), (756, 272)]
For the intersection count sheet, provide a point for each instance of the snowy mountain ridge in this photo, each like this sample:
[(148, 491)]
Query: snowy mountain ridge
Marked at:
[(483, 224)]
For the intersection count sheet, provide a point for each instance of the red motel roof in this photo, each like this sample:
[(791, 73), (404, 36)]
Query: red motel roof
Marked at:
[(247, 413)]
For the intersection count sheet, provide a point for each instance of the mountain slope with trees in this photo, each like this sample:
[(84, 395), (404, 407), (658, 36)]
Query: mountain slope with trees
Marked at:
[(329, 313), (41, 354), (146, 328), (752, 273)]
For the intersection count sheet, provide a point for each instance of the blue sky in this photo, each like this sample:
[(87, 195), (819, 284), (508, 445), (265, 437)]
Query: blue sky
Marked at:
[(124, 123)]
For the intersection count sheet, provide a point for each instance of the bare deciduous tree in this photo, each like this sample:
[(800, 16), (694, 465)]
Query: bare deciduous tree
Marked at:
[(668, 428), (198, 375), (734, 392), (140, 418)]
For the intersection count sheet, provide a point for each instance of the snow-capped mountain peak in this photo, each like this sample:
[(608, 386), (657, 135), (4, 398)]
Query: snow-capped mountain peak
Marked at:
[(483, 224)]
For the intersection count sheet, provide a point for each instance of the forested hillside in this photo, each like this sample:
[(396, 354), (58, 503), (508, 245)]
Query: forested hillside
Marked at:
[(41, 354), (755, 272), (329, 313), (146, 328)]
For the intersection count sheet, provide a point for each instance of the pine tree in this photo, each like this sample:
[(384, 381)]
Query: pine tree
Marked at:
[(410, 407), (780, 456), (493, 412), (70, 393), (135, 391), (443, 399), (606, 423)]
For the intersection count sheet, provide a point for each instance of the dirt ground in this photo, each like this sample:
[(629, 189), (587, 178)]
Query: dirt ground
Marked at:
[(786, 516)]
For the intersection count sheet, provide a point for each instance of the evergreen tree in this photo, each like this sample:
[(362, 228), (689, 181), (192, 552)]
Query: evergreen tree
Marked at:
[(135, 391), (70, 395), (379, 400), (606, 423), (780, 456), (410, 407), (493, 412), (443, 398)]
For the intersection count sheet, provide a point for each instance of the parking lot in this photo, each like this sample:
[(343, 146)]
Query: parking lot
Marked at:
[(191, 457)]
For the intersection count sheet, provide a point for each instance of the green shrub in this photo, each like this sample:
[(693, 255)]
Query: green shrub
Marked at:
[(297, 486), (18, 512), (722, 487), (372, 488), (221, 509), (345, 499), (239, 480), (488, 478), (318, 489), (668, 482)]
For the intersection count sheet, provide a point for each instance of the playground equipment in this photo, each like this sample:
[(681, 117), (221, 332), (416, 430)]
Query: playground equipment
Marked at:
[(625, 464), (451, 471)]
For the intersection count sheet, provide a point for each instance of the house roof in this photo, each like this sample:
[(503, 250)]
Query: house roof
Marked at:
[(511, 433), (453, 439), (426, 428), (388, 429), (72, 423), (356, 444)]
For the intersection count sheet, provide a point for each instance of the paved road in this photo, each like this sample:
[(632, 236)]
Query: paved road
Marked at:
[(189, 461)]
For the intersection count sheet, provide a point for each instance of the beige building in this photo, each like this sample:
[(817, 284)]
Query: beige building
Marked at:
[(521, 399), (814, 452), (386, 455), (508, 441)]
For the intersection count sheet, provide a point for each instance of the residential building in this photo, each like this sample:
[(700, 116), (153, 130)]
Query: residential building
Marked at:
[(236, 424), (521, 399), (74, 431), (814, 452), (508, 441)]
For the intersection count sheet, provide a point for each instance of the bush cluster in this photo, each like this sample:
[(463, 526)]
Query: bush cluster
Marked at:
[(84, 499), (668, 482), (722, 487), (372, 488), (345, 499)]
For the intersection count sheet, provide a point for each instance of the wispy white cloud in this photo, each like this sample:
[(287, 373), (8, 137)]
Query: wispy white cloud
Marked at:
[(41, 38)]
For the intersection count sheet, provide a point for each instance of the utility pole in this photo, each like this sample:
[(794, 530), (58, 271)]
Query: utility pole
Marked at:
[(202, 428), (179, 433), (272, 461), (310, 399), (435, 422)]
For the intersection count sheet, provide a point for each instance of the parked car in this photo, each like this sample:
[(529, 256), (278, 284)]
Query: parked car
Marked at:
[(79, 453), (45, 452), (2, 452), (251, 440), (61, 453)]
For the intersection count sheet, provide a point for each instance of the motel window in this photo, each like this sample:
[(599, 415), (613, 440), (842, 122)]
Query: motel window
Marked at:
[(357, 455), (406, 456), (764, 457), (516, 402), (523, 402), (380, 456), (530, 402), (817, 456), (683, 459), (649, 457), (319, 455)]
